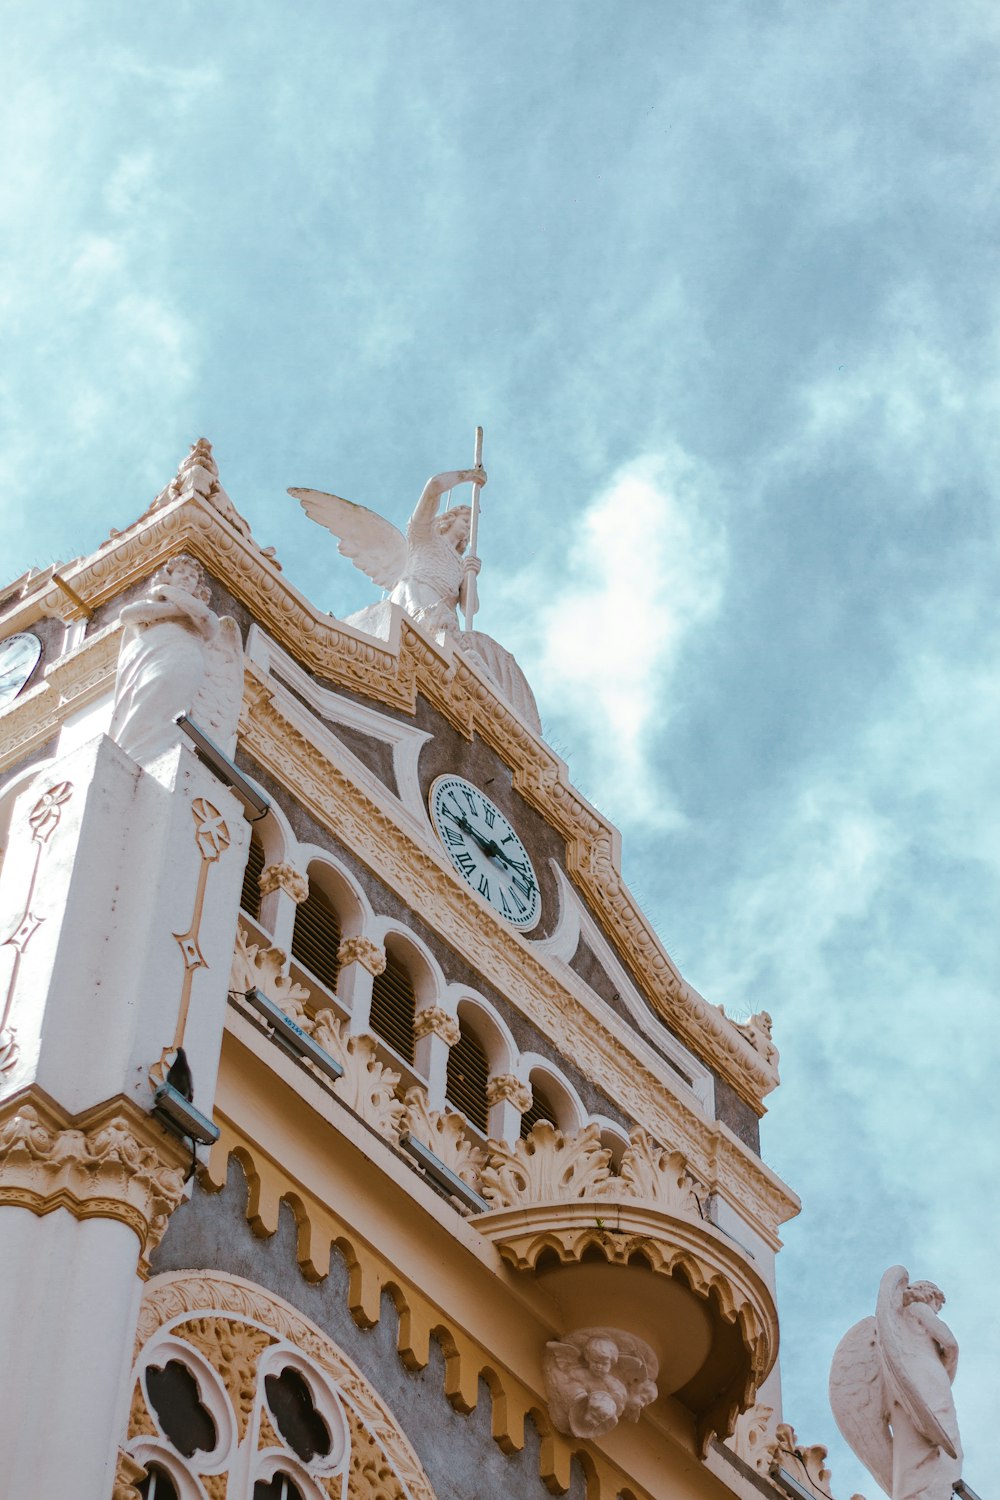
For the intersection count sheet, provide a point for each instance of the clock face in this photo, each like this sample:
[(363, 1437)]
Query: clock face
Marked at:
[(485, 850), (18, 655)]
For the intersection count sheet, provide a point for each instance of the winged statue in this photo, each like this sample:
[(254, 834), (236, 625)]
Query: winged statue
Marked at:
[(177, 656), (890, 1391), (596, 1376), (426, 571)]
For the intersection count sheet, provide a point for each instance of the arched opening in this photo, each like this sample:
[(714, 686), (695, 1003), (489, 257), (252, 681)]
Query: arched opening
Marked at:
[(467, 1077), (250, 896), (316, 935), (541, 1108), (393, 1005), (157, 1485)]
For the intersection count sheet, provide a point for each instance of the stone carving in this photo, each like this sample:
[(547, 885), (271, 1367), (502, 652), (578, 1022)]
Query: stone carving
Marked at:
[(177, 656), (282, 877), (504, 1087), (232, 1347), (43, 820), (361, 950), (197, 478), (444, 1134), (140, 1423), (115, 1168), (368, 1085), (596, 1376), (755, 1438), (546, 1167), (435, 1020), (425, 572), (371, 1476), (128, 1474), (758, 1033), (656, 1175), (890, 1390), (805, 1464), (258, 967)]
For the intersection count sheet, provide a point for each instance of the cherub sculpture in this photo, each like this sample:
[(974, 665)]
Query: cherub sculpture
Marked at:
[(425, 571), (890, 1390), (596, 1376), (177, 656)]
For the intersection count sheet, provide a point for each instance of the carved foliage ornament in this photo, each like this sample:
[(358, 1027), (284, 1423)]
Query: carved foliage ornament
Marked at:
[(284, 877), (368, 1085), (361, 950), (546, 1167), (115, 1164), (434, 1020), (444, 1134)]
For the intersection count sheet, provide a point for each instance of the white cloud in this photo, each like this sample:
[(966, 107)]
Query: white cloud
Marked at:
[(645, 569)]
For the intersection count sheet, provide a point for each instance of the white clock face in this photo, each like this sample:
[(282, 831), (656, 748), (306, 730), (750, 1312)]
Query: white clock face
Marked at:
[(485, 850), (18, 655)]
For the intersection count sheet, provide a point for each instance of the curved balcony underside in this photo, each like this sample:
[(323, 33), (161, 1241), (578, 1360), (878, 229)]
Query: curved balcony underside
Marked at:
[(677, 1283)]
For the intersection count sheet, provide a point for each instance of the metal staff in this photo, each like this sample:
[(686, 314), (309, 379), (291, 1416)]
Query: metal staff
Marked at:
[(471, 591)]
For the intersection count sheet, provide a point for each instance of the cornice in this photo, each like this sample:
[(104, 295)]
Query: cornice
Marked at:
[(392, 673), (112, 1161), (414, 869)]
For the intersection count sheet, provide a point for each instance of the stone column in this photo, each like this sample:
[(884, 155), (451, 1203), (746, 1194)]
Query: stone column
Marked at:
[(118, 904), (360, 960), (282, 889), (507, 1098), (435, 1032)]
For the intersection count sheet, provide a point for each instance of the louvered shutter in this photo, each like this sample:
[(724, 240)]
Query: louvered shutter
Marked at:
[(540, 1109), (316, 936), (250, 898), (468, 1074), (393, 1004)]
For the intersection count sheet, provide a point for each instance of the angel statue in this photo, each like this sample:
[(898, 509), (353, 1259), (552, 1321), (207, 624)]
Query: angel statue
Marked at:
[(426, 572), (596, 1376), (890, 1390), (177, 656)]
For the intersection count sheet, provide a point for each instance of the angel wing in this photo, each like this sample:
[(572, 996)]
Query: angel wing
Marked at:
[(629, 1368), (889, 1318), (217, 704), (562, 1356), (372, 543), (857, 1400)]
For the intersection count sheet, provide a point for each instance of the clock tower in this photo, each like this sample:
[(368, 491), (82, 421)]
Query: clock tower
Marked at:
[(358, 1137)]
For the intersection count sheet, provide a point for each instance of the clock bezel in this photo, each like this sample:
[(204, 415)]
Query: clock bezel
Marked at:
[(453, 778), (5, 645)]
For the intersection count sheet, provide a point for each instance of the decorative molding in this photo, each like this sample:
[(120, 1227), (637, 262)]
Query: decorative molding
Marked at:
[(128, 1473), (368, 1086), (807, 1465), (443, 1132), (233, 1348), (758, 1033), (262, 967), (546, 1167), (371, 1476), (361, 950), (596, 1376), (754, 1438), (505, 1088), (112, 1162), (68, 685), (392, 673), (140, 1423), (283, 877), (597, 1042), (211, 836), (43, 819), (180, 1297), (655, 1175), (434, 1020)]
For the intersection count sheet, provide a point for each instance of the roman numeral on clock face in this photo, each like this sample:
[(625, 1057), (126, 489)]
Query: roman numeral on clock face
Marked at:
[(485, 850), (454, 837), (465, 862)]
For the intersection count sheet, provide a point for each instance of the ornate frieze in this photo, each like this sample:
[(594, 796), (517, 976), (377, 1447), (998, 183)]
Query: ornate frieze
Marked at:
[(505, 1088), (361, 950), (443, 1132), (434, 1020), (283, 877), (112, 1162)]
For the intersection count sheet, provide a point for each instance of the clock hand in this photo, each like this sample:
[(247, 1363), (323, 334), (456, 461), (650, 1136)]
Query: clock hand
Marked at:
[(490, 847)]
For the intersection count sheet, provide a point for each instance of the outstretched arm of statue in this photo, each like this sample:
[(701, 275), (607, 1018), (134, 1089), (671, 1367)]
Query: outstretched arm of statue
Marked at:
[(427, 506), (470, 567)]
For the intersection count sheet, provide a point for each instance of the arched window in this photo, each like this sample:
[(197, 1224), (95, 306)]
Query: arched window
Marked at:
[(316, 936), (281, 1487), (157, 1485), (468, 1075), (393, 1005), (540, 1109), (250, 898)]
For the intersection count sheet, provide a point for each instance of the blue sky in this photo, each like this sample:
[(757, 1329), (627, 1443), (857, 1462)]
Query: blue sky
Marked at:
[(720, 284)]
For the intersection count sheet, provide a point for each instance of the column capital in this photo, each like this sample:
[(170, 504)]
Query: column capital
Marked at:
[(434, 1020), (505, 1088), (113, 1161), (283, 877), (361, 950)]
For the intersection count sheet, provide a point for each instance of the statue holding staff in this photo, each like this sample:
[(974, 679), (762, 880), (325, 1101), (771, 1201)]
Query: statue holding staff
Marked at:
[(890, 1391)]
